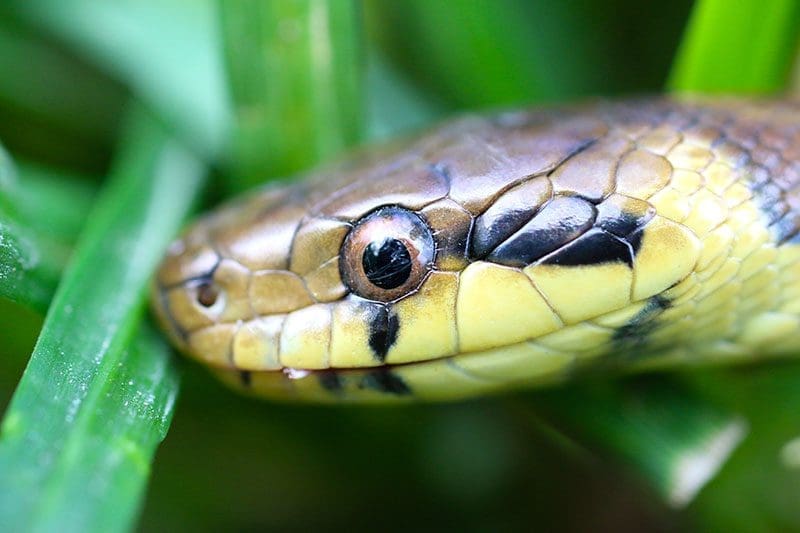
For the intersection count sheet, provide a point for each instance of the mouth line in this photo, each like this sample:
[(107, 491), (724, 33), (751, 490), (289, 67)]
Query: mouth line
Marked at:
[(300, 373), (380, 378)]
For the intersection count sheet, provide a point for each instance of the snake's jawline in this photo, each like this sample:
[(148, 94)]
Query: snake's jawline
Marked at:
[(384, 380), (381, 379), (331, 381)]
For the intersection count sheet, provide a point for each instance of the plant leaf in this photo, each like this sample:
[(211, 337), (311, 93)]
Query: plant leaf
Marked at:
[(166, 51), (54, 429), (34, 67), (673, 436), (747, 48), (395, 105), (108, 466), (295, 74), (27, 276), (479, 53), (30, 263)]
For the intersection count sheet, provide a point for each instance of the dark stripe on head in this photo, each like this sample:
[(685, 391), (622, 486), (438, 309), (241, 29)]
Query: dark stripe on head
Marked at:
[(635, 240), (507, 214), (442, 170), (560, 221), (775, 212), (246, 378), (625, 217), (622, 215), (383, 328), (596, 247)]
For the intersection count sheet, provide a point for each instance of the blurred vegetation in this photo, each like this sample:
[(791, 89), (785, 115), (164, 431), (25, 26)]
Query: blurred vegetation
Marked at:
[(296, 64), (251, 90), (712, 56)]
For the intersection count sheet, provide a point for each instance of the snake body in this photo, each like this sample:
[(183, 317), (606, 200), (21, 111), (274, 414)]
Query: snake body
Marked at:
[(514, 249)]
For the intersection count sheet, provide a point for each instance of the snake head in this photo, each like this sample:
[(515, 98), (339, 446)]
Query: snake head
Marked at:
[(226, 272), (516, 248), (324, 276)]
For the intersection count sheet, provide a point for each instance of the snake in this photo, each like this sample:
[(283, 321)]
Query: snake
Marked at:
[(502, 250)]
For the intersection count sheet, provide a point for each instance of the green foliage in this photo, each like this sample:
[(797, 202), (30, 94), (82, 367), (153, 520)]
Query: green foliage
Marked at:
[(31, 257), (295, 73), (43, 105), (165, 51), (479, 53), (76, 441), (26, 275), (670, 433), (746, 48)]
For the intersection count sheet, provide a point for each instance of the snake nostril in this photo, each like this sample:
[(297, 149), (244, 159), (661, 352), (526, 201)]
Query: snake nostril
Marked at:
[(207, 294)]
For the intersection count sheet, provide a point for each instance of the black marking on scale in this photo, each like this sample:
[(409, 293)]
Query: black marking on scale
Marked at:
[(560, 221), (384, 380), (331, 381), (633, 336), (635, 239), (595, 247), (383, 329)]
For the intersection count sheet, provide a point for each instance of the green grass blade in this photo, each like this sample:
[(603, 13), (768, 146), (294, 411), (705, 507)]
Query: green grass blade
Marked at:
[(30, 261), (28, 274), (51, 432), (165, 50), (112, 459), (395, 105), (52, 202), (674, 437), (759, 473), (746, 47), (478, 53), (295, 74), (41, 214)]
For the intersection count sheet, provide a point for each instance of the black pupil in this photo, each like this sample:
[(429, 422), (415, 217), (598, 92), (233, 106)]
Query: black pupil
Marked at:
[(387, 264)]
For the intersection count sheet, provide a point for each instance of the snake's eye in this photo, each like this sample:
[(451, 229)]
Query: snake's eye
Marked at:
[(387, 254)]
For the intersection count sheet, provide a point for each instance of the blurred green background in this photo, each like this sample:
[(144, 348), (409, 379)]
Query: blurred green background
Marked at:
[(259, 90)]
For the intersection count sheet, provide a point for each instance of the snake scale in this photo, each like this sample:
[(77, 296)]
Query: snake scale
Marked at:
[(519, 248)]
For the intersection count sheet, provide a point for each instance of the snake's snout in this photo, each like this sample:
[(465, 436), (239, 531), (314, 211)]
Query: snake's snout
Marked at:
[(188, 293)]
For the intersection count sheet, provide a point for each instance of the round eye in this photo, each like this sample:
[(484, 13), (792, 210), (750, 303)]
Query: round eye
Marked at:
[(387, 254)]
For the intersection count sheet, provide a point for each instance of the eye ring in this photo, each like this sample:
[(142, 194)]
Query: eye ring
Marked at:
[(387, 254)]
